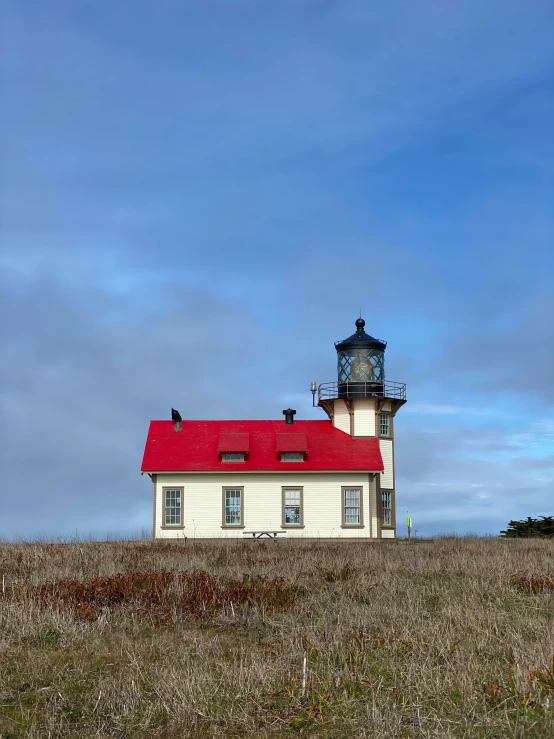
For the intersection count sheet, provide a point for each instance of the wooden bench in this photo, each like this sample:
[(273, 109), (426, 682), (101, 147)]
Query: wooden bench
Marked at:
[(261, 534)]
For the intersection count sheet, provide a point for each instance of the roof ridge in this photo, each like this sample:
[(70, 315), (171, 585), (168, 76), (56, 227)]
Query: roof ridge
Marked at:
[(241, 420)]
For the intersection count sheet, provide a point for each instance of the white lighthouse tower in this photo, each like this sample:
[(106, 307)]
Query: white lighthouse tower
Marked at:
[(362, 403)]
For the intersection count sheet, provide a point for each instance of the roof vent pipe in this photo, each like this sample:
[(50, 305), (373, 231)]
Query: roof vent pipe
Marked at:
[(289, 415)]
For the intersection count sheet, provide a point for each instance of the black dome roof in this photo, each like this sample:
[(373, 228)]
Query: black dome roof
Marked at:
[(360, 339)]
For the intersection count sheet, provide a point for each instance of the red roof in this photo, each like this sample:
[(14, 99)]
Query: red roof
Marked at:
[(292, 442), (233, 441), (195, 447)]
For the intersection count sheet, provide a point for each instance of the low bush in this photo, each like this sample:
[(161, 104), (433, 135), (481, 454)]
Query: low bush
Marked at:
[(532, 584), (162, 596)]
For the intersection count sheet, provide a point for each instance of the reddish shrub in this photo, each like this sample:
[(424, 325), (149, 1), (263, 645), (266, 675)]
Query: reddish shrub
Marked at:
[(162, 596), (533, 584)]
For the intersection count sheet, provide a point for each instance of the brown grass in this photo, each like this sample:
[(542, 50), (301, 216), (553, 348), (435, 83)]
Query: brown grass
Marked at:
[(451, 638)]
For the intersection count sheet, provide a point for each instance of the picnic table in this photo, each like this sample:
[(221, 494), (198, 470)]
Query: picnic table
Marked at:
[(261, 534)]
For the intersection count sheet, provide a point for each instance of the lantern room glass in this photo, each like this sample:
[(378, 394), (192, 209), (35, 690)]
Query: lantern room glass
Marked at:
[(361, 364)]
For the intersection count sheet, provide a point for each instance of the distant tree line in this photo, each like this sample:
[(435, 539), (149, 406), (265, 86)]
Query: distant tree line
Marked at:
[(541, 526)]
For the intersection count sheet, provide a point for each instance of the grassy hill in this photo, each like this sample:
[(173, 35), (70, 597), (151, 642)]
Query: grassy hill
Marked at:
[(446, 638)]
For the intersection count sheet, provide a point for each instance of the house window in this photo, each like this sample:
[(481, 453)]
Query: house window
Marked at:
[(386, 508), (292, 456), (384, 417), (232, 457), (292, 507), (233, 510), (352, 507), (173, 508)]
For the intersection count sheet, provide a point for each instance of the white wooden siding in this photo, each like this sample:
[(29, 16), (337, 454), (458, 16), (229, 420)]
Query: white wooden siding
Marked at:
[(341, 416), (364, 417), (387, 478), (202, 503), (387, 534), (374, 521)]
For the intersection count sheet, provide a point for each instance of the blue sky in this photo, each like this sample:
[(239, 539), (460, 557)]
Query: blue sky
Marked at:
[(198, 198)]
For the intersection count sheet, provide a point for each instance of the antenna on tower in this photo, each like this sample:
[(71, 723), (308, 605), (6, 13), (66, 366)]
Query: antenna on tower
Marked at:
[(313, 388)]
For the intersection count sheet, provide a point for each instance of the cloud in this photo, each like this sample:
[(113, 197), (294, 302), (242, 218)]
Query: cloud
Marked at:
[(448, 478), (436, 409), (77, 396), (509, 354)]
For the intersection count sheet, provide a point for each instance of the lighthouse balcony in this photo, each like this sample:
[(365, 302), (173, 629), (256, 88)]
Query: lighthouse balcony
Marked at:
[(370, 389), (389, 395)]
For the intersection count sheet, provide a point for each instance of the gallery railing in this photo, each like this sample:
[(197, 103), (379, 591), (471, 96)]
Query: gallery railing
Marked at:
[(332, 390)]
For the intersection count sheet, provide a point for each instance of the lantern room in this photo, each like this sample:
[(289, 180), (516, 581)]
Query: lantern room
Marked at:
[(360, 364), (360, 374)]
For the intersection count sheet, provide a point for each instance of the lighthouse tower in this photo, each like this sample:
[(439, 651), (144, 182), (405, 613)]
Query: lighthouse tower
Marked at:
[(362, 403)]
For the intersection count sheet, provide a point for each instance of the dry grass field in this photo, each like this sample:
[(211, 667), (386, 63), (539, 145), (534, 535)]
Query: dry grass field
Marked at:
[(446, 638)]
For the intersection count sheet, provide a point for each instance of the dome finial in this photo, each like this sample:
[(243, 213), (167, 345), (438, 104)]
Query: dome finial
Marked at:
[(360, 323)]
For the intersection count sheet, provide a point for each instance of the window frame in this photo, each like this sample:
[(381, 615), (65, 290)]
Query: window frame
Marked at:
[(170, 526), (285, 525), (225, 525), (297, 459), (388, 434), (392, 525), (345, 525), (241, 459)]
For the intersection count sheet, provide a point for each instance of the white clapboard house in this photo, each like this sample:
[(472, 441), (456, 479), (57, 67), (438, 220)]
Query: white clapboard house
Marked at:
[(328, 478)]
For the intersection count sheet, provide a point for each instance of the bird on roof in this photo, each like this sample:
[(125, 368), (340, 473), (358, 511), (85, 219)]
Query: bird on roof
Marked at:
[(175, 416)]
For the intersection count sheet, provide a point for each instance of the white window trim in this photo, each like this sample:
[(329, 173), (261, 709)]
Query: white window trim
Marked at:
[(173, 489), (284, 490), (360, 524), (236, 457), (390, 494), (224, 524), (299, 458)]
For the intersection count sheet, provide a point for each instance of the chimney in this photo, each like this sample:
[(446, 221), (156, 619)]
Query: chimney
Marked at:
[(289, 416), (176, 418)]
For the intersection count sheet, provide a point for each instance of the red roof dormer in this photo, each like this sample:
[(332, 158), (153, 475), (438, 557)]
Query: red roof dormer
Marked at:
[(233, 441), (294, 441)]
